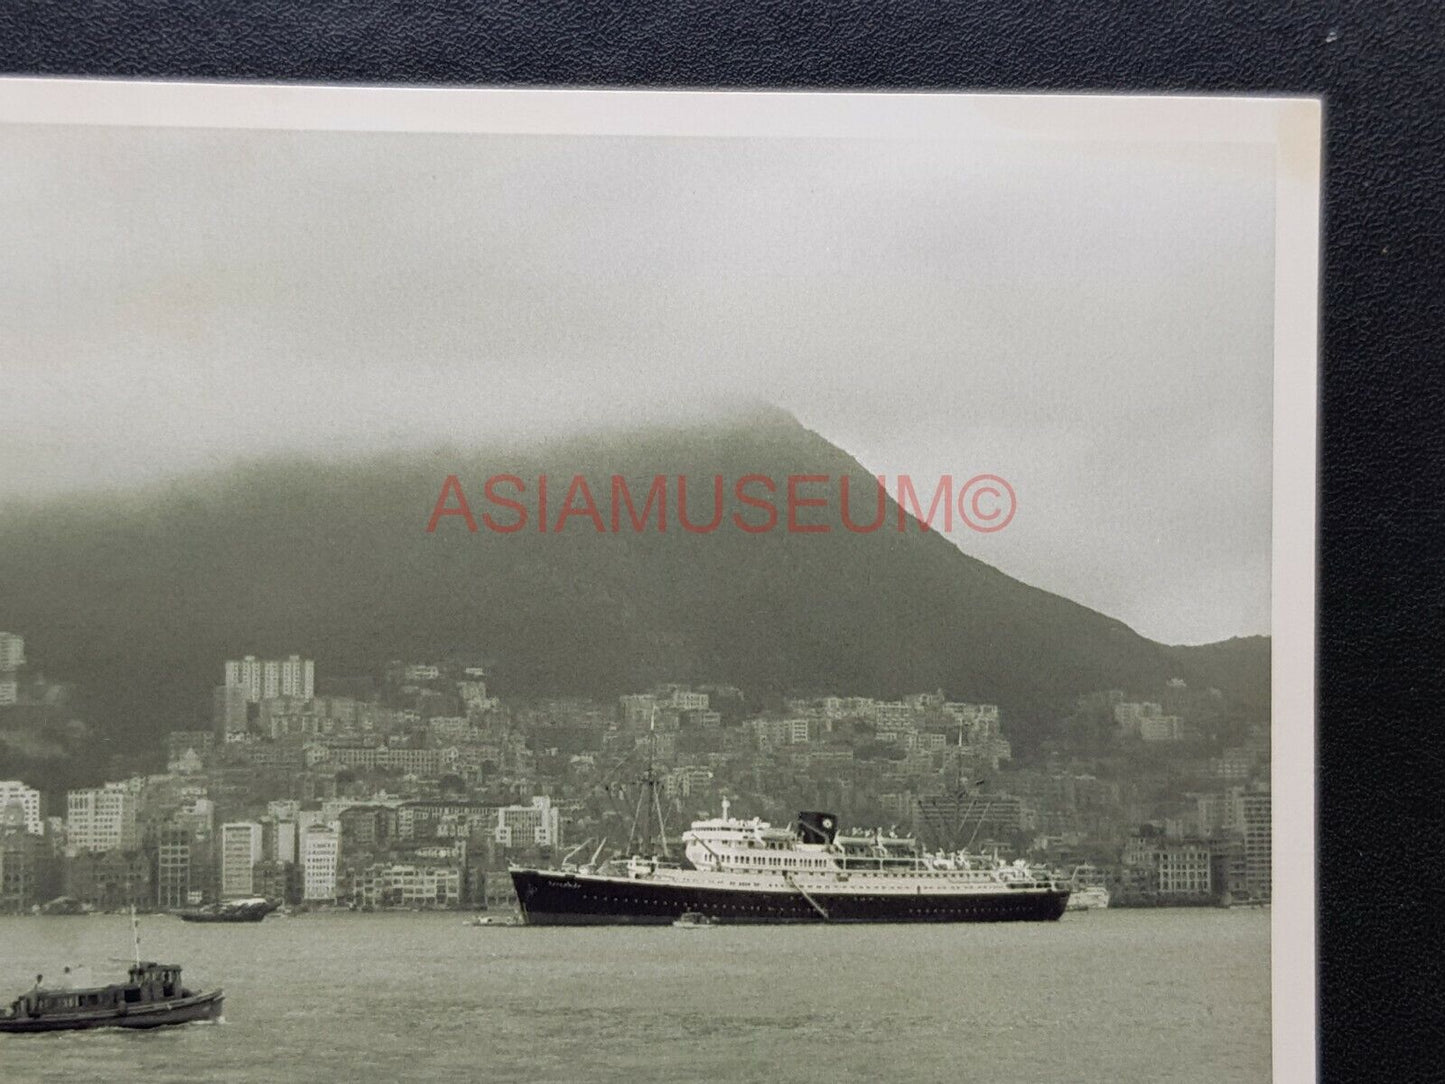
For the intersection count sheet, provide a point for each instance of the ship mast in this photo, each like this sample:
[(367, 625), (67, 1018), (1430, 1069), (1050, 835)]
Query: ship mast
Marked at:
[(961, 791), (648, 801)]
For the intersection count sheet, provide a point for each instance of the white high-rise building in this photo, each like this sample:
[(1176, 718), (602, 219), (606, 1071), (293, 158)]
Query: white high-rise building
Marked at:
[(14, 792), (1253, 815), (320, 854), (266, 679), (286, 841), (240, 851), (12, 658), (535, 825), (12, 652), (101, 819)]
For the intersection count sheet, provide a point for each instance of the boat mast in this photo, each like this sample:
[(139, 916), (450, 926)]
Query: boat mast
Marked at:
[(649, 785), (648, 801), (649, 792), (135, 933), (962, 790)]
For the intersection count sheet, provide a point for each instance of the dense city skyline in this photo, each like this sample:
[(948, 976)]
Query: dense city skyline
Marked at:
[(421, 787)]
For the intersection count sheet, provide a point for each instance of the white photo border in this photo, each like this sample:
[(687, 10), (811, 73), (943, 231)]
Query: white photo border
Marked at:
[(1292, 125)]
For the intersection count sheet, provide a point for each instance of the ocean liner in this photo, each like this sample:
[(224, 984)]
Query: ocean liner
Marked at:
[(748, 871)]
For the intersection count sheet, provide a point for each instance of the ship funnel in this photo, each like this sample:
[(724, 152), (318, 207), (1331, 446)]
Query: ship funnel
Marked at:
[(817, 827)]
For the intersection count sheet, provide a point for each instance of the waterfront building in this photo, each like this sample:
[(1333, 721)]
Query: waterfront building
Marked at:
[(15, 793), (1184, 869), (1253, 815), (320, 856), (535, 825), (27, 871), (278, 839), (277, 880), (1227, 869), (110, 880), (173, 866), (240, 851), (405, 885), (1169, 870), (101, 818)]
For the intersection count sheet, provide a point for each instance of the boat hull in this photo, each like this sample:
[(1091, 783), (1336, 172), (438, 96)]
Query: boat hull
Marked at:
[(554, 898), (188, 1010)]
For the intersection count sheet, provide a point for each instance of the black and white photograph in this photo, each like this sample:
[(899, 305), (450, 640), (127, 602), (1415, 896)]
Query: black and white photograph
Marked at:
[(554, 585)]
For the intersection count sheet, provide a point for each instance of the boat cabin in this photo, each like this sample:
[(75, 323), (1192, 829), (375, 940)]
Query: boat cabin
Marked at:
[(154, 982)]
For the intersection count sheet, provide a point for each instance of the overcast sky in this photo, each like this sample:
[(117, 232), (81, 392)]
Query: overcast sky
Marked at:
[(1091, 322)]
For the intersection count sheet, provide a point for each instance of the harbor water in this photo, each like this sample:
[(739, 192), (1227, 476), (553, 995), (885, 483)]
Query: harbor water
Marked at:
[(1120, 995)]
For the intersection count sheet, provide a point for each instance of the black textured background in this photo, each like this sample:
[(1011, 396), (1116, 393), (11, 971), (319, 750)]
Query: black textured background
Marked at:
[(1381, 68)]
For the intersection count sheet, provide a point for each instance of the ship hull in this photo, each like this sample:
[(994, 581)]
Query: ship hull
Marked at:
[(177, 1011), (552, 898)]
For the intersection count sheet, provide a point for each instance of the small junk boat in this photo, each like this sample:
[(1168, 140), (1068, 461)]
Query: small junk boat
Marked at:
[(151, 997), (253, 909)]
